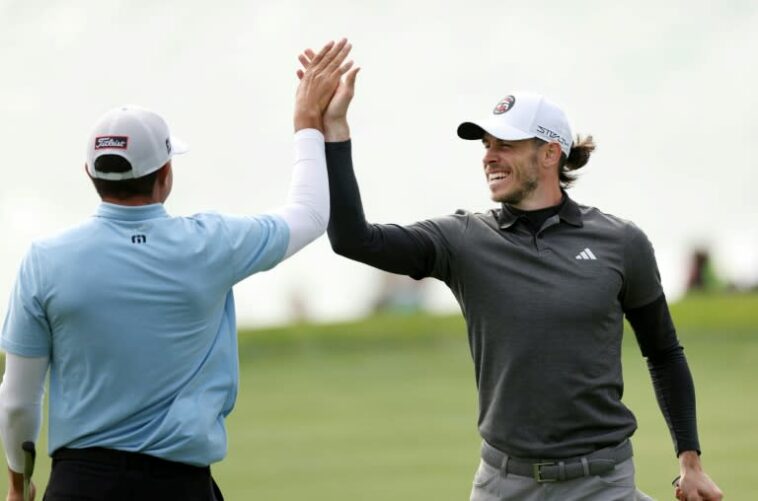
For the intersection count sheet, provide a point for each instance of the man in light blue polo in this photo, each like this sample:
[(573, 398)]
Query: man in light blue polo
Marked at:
[(132, 311)]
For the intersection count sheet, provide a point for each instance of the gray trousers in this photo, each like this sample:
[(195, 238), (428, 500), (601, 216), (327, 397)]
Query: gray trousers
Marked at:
[(491, 484)]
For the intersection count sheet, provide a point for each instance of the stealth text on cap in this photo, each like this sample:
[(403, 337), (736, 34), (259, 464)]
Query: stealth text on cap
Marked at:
[(115, 142), (552, 135)]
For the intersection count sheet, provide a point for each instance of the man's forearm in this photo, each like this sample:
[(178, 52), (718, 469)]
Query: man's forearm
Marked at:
[(669, 370), (15, 481), (336, 131), (308, 119), (675, 392), (307, 209), (389, 247), (690, 460), (21, 395)]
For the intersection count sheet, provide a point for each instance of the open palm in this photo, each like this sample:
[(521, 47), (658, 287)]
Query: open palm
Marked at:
[(337, 109)]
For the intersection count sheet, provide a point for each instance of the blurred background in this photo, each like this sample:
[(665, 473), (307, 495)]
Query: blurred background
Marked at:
[(666, 88)]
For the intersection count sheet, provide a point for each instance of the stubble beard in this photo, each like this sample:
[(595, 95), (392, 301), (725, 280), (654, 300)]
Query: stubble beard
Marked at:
[(527, 186)]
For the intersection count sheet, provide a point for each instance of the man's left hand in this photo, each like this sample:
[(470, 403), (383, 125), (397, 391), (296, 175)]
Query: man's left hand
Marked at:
[(694, 484)]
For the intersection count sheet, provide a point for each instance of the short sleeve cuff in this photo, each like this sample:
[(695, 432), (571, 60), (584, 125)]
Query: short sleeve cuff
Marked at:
[(22, 350)]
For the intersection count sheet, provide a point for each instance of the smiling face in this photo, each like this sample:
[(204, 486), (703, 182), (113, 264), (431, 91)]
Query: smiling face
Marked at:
[(512, 169)]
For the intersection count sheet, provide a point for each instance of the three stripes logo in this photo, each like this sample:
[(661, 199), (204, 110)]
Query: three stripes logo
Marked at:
[(586, 255)]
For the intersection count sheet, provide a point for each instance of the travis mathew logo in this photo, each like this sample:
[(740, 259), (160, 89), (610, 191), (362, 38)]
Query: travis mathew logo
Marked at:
[(504, 105), (114, 142), (139, 239), (168, 146)]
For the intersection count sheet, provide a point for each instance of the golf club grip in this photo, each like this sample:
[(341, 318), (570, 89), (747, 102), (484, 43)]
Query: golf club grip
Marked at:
[(28, 446), (30, 454)]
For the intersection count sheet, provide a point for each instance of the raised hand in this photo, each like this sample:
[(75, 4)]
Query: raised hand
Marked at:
[(335, 116), (318, 83)]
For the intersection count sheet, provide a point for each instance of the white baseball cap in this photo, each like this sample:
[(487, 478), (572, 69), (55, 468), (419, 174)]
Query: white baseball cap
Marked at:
[(523, 115), (136, 134)]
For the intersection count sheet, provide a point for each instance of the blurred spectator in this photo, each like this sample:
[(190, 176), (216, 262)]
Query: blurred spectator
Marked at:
[(399, 294), (702, 277)]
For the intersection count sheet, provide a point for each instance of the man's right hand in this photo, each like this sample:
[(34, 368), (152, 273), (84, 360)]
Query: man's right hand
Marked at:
[(335, 116), (19, 495), (16, 487), (318, 84)]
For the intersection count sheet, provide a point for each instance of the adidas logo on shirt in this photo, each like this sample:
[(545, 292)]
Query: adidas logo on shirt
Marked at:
[(586, 254)]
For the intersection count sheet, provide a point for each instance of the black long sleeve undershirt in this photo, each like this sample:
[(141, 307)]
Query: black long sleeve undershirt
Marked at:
[(669, 371), (389, 247), (396, 249)]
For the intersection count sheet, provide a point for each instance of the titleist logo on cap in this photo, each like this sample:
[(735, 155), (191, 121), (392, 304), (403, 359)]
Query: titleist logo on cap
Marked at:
[(116, 142)]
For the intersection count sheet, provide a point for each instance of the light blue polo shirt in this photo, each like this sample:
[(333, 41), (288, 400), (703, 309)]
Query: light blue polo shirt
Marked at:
[(136, 312)]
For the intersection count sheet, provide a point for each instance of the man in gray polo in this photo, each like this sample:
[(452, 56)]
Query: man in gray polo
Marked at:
[(544, 284)]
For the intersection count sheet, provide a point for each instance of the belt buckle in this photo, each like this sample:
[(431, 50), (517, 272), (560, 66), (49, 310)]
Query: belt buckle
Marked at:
[(537, 472)]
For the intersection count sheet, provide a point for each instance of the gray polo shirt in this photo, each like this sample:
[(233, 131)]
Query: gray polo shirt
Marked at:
[(545, 321)]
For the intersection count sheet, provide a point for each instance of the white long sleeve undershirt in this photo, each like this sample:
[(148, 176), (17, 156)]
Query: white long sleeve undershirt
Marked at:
[(21, 394), (306, 211)]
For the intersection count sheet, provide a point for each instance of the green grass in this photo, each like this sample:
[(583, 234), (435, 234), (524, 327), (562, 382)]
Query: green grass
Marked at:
[(385, 408)]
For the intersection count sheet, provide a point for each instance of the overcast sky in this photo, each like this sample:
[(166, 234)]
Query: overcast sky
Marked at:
[(666, 87)]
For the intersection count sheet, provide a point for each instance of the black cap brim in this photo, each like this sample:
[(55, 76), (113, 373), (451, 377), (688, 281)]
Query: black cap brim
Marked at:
[(470, 131)]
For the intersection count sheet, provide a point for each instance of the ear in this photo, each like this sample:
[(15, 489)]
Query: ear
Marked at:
[(164, 172), (552, 154)]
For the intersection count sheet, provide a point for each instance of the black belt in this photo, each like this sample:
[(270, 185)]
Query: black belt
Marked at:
[(128, 461), (555, 470)]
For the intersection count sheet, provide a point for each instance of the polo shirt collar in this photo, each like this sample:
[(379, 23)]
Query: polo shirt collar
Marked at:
[(569, 213), (130, 213)]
